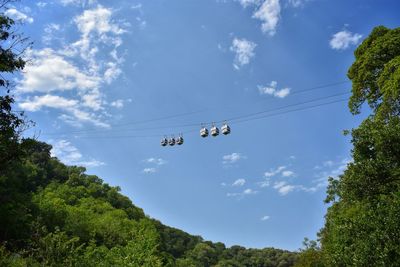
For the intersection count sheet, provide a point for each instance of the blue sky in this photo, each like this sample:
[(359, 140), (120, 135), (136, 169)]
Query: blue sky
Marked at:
[(106, 79)]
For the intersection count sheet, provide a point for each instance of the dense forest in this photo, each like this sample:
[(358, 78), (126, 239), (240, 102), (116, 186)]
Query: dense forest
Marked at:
[(57, 215)]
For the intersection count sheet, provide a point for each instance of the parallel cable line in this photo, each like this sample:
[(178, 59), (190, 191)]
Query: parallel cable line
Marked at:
[(182, 114), (221, 121), (234, 123)]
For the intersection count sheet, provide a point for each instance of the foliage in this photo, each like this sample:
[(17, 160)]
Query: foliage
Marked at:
[(362, 225), (311, 255), (74, 219), (375, 73)]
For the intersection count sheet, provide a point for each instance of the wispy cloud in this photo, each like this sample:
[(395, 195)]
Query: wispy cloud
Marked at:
[(283, 187), (70, 155), (269, 14), (330, 168), (344, 39), (77, 67), (149, 170), (288, 173), (265, 218), (239, 182), (82, 3), (155, 164), (244, 51), (157, 161), (246, 3), (18, 15), (269, 11), (232, 158), (242, 194), (273, 172), (272, 89), (297, 3)]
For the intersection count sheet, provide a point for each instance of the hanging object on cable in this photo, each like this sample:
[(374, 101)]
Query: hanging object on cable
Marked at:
[(179, 140), (225, 129), (164, 141), (214, 130), (171, 141), (203, 131)]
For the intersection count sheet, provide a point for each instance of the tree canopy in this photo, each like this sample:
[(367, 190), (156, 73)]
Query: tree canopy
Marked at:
[(362, 223)]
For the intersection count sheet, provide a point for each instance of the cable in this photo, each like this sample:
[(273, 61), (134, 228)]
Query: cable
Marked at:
[(184, 114), (233, 119), (297, 104), (289, 111), (234, 123)]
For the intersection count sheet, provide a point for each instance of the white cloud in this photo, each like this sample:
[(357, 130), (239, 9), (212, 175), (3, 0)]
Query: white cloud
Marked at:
[(70, 155), (41, 4), (50, 101), (269, 11), (271, 89), (49, 31), (232, 158), (343, 39), (78, 2), (239, 182), (249, 191), (328, 163), (287, 173), (269, 14), (246, 3), (297, 3), (137, 6), (97, 20), (157, 161), (76, 117), (273, 172), (118, 103), (281, 170), (284, 188), (48, 71), (149, 170), (112, 72), (244, 51), (80, 67), (329, 168), (265, 183), (96, 26), (265, 218), (245, 192), (18, 15)]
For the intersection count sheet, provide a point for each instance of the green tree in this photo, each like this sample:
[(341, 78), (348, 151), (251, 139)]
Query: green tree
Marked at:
[(363, 223), (13, 203), (310, 255)]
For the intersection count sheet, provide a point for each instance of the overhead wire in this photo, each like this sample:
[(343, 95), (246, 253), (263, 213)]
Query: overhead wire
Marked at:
[(240, 119), (178, 115), (234, 123)]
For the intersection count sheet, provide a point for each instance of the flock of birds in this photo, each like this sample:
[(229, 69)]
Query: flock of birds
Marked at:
[(214, 131)]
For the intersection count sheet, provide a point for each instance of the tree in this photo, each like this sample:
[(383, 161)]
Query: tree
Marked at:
[(310, 255), (13, 202), (11, 123), (363, 223)]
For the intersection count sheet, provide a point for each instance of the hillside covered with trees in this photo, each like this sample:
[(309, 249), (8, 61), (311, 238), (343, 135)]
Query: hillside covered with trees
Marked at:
[(56, 215)]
